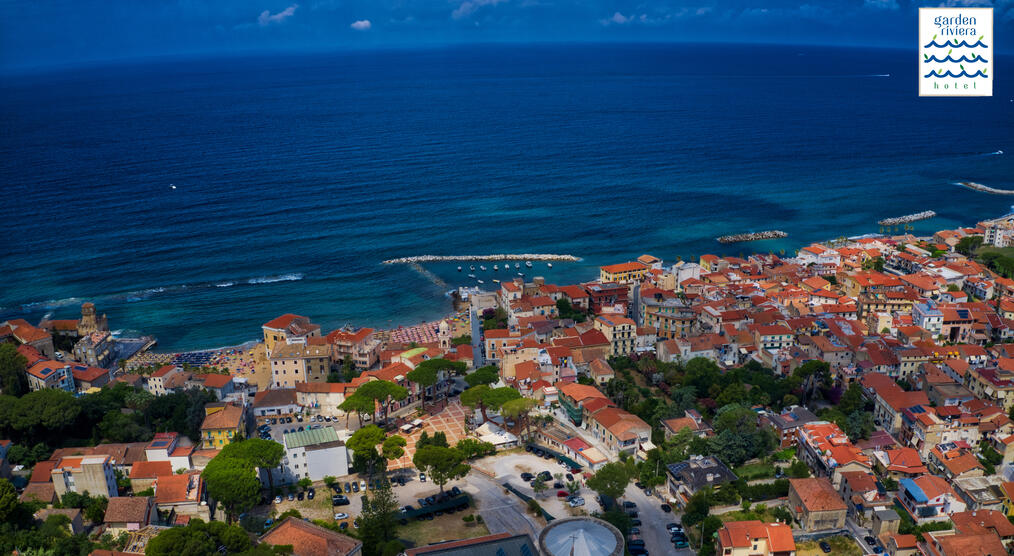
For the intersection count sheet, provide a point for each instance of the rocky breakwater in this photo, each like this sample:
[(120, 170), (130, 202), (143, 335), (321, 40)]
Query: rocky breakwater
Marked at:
[(907, 218), (985, 188), (501, 257), (754, 236)]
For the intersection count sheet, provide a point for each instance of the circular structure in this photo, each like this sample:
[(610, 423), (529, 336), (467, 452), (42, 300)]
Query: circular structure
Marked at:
[(581, 536)]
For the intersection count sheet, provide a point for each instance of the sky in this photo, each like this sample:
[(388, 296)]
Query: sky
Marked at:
[(41, 33)]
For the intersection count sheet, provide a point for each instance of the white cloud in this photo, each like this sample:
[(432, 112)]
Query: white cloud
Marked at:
[(267, 18), (617, 18), (469, 7), (881, 4), (361, 25)]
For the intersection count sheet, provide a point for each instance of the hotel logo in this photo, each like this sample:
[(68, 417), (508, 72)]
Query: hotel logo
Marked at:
[(955, 54)]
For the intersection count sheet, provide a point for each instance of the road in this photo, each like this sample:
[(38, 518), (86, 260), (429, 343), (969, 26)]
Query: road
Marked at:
[(653, 522), (858, 532), (502, 513), (477, 358)]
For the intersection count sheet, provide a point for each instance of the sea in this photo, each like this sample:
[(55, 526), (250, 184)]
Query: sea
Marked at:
[(194, 199)]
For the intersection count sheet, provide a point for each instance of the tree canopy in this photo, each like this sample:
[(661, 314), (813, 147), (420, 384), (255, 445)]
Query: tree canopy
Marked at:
[(487, 375), (442, 464), (610, 480), (13, 380)]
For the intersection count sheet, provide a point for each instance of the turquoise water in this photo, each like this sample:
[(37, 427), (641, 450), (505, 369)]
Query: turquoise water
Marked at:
[(296, 175)]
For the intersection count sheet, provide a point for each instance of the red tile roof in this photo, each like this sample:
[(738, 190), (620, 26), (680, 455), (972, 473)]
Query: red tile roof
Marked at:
[(308, 539)]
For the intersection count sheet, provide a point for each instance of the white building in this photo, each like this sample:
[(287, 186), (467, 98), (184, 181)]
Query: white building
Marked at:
[(313, 454), (928, 317)]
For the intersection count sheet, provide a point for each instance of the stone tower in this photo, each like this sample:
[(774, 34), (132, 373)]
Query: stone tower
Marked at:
[(89, 322), (445, 335)]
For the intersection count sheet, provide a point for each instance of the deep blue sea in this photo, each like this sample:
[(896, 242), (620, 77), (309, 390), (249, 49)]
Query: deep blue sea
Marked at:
[(296, 175)]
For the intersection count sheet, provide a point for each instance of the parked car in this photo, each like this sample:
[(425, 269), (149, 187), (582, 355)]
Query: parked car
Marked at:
[(570, 477), (288, 419), (348, 487), (355, 486), (311, 493), (300, 495), (635, 522), (635, 542), (629, 504), (422, 477), (576, 502), (825, 546), (673, 527), (291, 497), (680, 543), (528, 448), (362, 485), (666, 508), (527, 477), (340, 516), (546, 476), (343, 525), (635, 531), (340, 500), (455, 491), (562, 494), (278, 499)]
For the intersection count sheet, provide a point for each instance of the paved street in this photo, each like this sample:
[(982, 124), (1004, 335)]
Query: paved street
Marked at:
[(477, 357), (503, 513), (653, 521)]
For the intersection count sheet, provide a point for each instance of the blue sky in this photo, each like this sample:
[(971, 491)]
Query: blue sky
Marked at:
[(67, 32)]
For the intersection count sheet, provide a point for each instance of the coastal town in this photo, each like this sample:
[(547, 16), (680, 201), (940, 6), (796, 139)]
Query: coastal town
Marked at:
[(853, 397)]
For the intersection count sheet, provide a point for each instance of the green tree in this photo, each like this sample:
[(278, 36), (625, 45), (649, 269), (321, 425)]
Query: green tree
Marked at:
[(263, 454), (233, 483), (474, 398), (13, 380), (473, 448), (519, 411), (799, 470), (199, 539), (968, 245), (441, 464), (381, 392), (8, 499), (611, 480), (487, 375), (539, 486), (377, 521), (364, 442)]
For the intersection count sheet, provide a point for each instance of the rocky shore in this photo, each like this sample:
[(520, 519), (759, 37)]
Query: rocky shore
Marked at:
[(755, 236)]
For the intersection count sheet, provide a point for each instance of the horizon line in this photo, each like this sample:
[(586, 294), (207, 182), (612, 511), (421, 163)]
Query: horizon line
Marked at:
[(103, 62)]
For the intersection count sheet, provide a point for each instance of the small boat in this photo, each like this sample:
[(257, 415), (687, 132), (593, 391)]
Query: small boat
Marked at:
[(517, 265), (471, 275), (482, 267), (528, 264), (481, 282), (459, 269), (496, 267), (495, 280), (550, 265), (471, 267), (521, 274)]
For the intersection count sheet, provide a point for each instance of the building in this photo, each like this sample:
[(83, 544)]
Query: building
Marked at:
[(753, 538), (97, 349), (992, 384), (500, 543), (129, 513), (573, 397), (828, 451), (607, 297), (90, 322), (620, 331), (688, 477), (623, 273), (183, 494), (359, 345), (787, 423), (954, 543), (313, 454), (50, 374), (295, 363), (619, 430), (277, 401), (571, 536), (29, 335), (815, 504), (288, 329), (222, 422), (929, 498), (84, 473), (160, 381), (144, 473), (307, 539)]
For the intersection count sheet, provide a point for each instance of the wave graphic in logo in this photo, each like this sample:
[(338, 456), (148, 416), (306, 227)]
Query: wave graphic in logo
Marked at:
[(962, 73), (949, 44), (949, 58)]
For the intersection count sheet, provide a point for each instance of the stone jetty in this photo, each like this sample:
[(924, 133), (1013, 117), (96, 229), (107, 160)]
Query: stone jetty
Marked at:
[(985, 188), (755, 236), (502, 257), (907, 218)]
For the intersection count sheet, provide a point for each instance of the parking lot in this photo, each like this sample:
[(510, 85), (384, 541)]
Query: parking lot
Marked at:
[(294, 422)]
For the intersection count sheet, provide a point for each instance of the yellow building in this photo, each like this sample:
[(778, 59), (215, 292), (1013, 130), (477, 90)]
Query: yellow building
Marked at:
[(996, 385), (1008, 498), (288, 329), (620, 331), (295, 363), (222, 422), (623, 273)]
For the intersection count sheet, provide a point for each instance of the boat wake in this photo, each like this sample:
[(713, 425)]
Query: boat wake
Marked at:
[(272, 279)]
